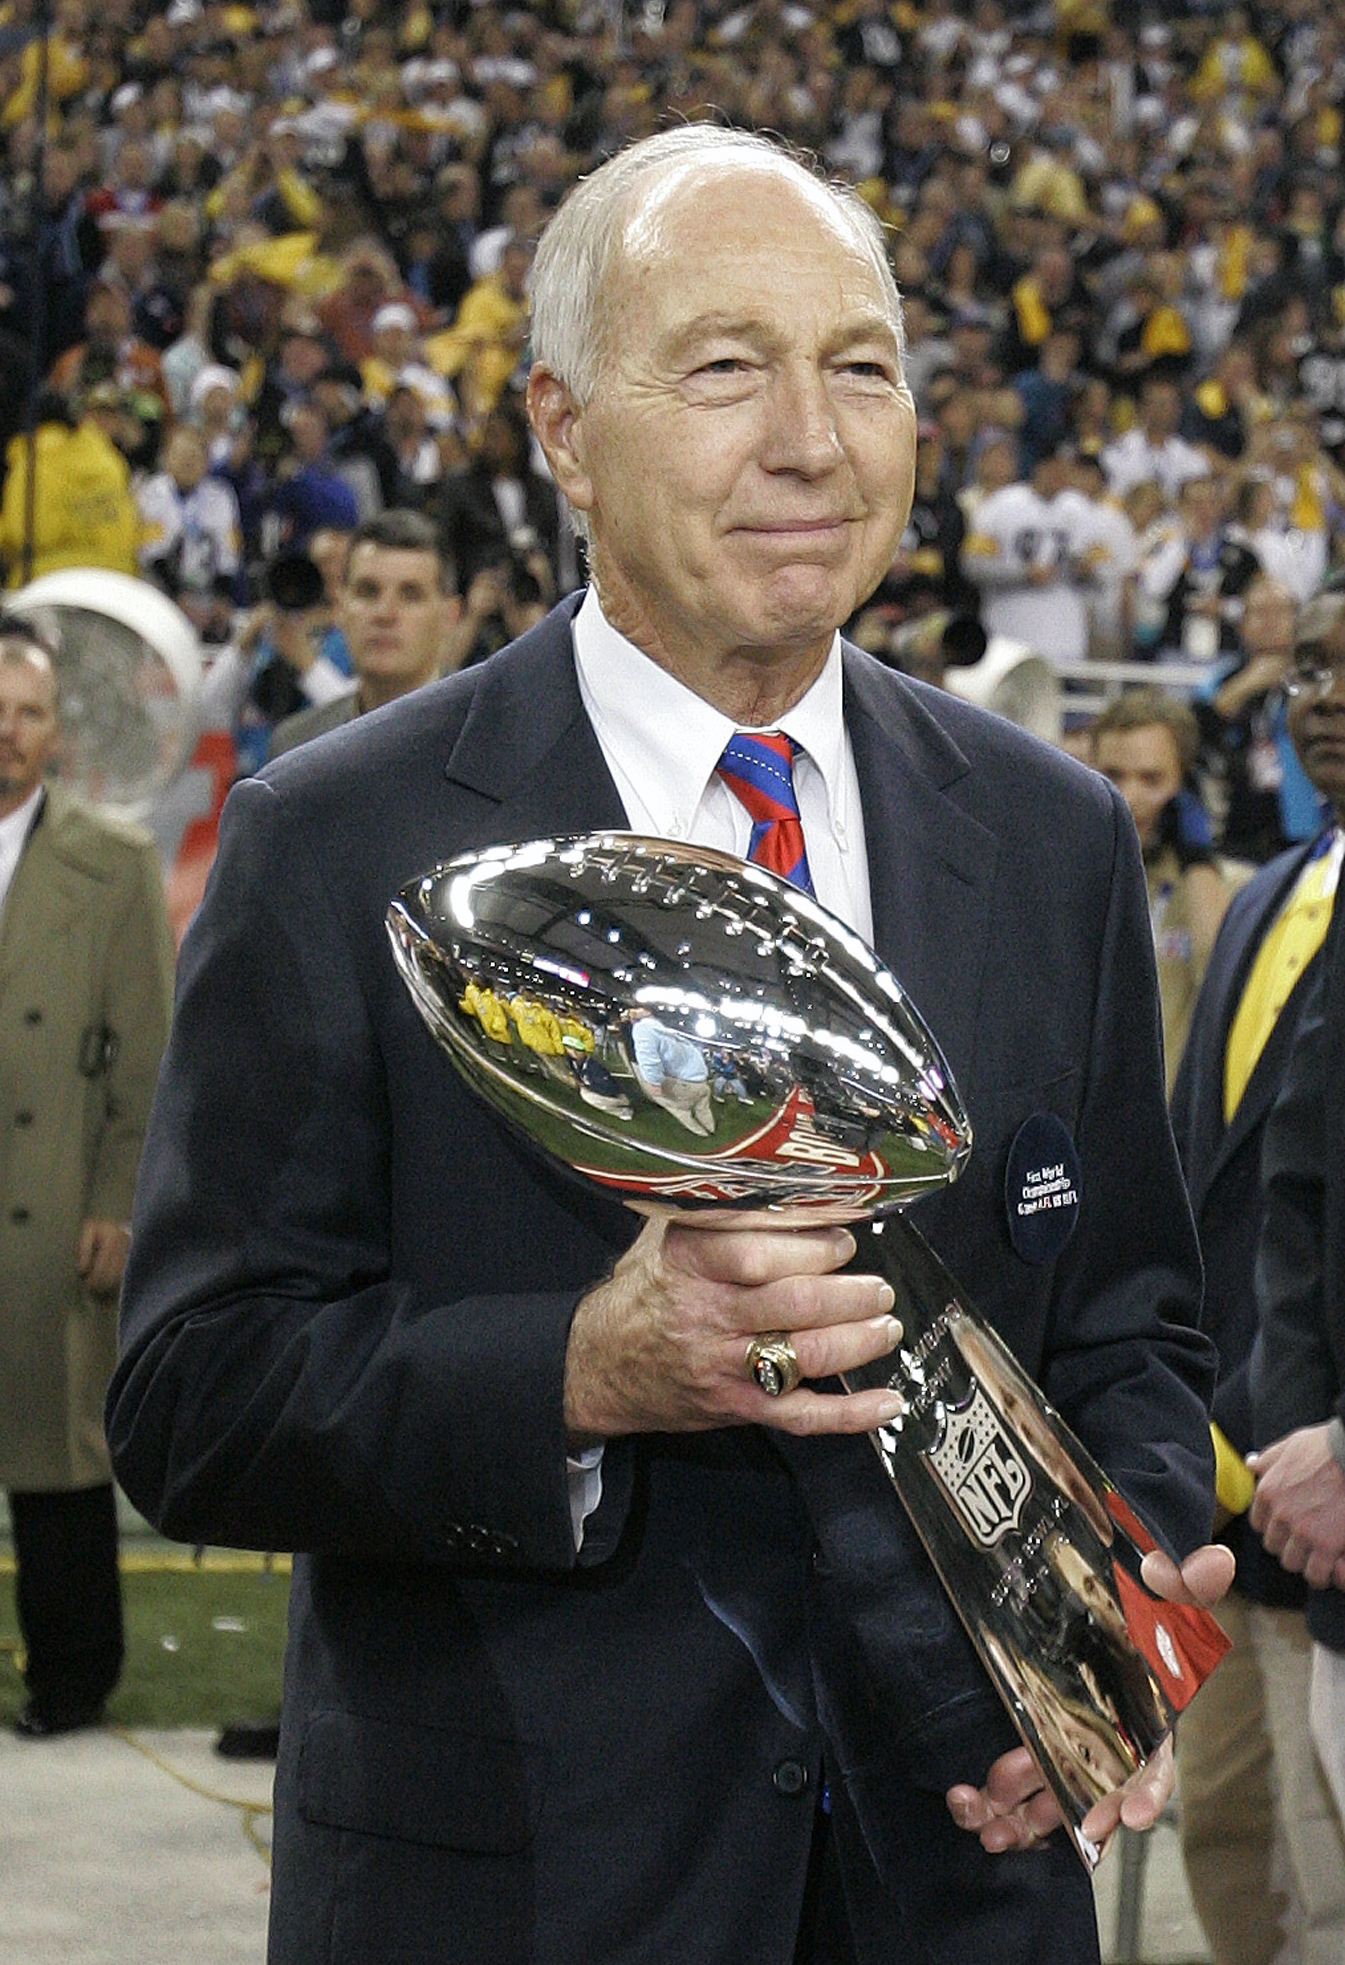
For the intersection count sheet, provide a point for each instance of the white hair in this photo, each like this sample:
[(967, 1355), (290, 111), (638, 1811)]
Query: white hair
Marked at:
[(578, 247)]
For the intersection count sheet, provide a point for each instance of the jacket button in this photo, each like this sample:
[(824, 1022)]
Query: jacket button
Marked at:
[(479, 1539), (790, 1777)]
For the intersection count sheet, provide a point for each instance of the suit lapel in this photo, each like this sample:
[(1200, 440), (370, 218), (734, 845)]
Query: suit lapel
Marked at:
[(527, 754), (1261, 1088), (931, 866), (1212, 1142)]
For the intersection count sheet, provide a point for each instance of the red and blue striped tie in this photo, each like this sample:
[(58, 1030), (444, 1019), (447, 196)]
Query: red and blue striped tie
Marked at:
[(759, 770)]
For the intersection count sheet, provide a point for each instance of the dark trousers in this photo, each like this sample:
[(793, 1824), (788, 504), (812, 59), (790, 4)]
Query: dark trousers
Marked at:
[(68, 1593)]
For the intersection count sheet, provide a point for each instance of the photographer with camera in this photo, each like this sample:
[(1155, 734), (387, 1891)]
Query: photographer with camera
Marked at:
[(289, 658)]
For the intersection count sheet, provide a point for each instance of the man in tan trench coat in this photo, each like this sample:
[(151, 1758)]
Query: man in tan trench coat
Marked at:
[(86, 965)]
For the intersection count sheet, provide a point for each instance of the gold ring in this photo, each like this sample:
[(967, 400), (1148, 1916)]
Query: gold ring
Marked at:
[(774, 1363)]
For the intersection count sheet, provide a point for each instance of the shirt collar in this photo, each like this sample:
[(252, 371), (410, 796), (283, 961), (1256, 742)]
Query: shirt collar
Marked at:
[(635, 704), (15, 826)]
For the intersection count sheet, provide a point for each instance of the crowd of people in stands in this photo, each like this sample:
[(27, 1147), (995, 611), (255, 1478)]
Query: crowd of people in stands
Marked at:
[(269, 266)]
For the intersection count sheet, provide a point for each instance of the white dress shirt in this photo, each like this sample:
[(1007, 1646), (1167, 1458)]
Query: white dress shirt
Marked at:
[(662, 744), (14, 831)]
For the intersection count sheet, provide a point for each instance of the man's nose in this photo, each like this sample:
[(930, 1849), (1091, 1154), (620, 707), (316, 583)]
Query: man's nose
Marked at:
[(803, 433)]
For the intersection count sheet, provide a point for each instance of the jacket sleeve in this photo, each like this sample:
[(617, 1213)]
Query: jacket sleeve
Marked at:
[(282, 1385), (1294, 1380)]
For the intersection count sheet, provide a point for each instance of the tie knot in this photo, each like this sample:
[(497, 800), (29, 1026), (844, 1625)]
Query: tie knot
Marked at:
[(758, 768)]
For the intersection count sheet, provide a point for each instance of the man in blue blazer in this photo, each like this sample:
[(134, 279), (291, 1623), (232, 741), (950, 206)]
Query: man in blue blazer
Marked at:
[(584, 1623), (1263, 1847)]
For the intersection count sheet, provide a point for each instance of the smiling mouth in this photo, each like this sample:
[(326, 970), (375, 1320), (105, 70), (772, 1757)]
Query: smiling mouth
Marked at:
[(790, 528)]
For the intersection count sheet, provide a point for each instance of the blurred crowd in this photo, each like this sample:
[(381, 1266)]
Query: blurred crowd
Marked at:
[(269, 267)]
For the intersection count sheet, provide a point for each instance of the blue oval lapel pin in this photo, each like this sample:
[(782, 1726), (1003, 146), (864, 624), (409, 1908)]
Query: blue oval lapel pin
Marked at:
[(1042, 1185)]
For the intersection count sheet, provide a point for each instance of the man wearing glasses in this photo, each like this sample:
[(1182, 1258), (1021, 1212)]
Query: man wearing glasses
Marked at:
[(1298, 1369), (1264, 1849)]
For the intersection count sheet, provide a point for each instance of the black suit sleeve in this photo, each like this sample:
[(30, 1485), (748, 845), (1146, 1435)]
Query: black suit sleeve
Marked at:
[(281, 1386), (1294, 1379)]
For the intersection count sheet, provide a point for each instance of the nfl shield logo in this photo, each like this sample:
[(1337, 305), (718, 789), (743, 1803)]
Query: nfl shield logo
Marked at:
[(980, 1466)]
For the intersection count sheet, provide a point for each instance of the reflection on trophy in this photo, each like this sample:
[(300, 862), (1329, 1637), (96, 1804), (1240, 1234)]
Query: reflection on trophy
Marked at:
[(686, 1029)]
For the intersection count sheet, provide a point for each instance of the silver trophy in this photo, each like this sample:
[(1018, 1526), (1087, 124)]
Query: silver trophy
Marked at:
[(688, 1030)]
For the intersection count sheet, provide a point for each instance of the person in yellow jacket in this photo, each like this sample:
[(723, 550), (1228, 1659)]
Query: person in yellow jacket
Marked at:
[(485, 343), (84, 513), (490, 1013), (538, 1026)]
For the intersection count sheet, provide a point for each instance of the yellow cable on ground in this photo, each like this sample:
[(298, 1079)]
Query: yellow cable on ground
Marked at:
[(250, 1811)]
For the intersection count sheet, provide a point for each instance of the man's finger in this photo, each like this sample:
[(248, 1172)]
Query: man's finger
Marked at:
[(805, 1413), (1203, 1578), (827, 1351), (756, 1257)]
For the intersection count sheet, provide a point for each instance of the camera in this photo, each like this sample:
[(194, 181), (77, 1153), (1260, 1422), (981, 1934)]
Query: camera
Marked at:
[(294, 583)]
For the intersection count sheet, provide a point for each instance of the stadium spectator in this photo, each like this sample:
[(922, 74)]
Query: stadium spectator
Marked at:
[(1147, 742)]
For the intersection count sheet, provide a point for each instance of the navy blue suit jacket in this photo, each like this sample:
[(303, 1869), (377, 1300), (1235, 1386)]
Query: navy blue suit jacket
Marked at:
[(1222, 1164), (345, 1324), (1298, 1365)]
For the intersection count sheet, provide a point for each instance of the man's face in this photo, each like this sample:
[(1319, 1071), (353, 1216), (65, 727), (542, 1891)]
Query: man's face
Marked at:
[(1317, 721), (747, 456), (393, 614), (1145, 768), (29, 725)]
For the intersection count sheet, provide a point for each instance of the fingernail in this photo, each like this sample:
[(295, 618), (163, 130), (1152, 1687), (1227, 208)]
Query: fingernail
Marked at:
[(887, 1296), (890, 1407), (888, 1329), (849, 1244)]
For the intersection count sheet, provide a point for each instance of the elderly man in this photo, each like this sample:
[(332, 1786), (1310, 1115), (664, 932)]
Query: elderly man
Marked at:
[(597, 1651), (86, 976)]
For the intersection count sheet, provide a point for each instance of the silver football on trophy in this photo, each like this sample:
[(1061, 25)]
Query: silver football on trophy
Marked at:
[(679, 1024)]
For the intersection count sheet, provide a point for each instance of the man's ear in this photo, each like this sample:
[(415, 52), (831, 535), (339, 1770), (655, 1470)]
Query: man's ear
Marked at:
[(557, 421)]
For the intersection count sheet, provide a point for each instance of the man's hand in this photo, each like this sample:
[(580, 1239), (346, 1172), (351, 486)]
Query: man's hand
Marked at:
[(1015, 1809), (662, 1345), (100, 1255), (1298, 1509)]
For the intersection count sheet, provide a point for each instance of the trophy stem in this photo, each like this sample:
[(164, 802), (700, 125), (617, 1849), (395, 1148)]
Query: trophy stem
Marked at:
[(1036, 1548)]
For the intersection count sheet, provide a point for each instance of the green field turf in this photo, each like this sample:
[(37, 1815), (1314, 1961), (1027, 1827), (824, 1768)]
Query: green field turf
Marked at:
[(204, 1641)]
